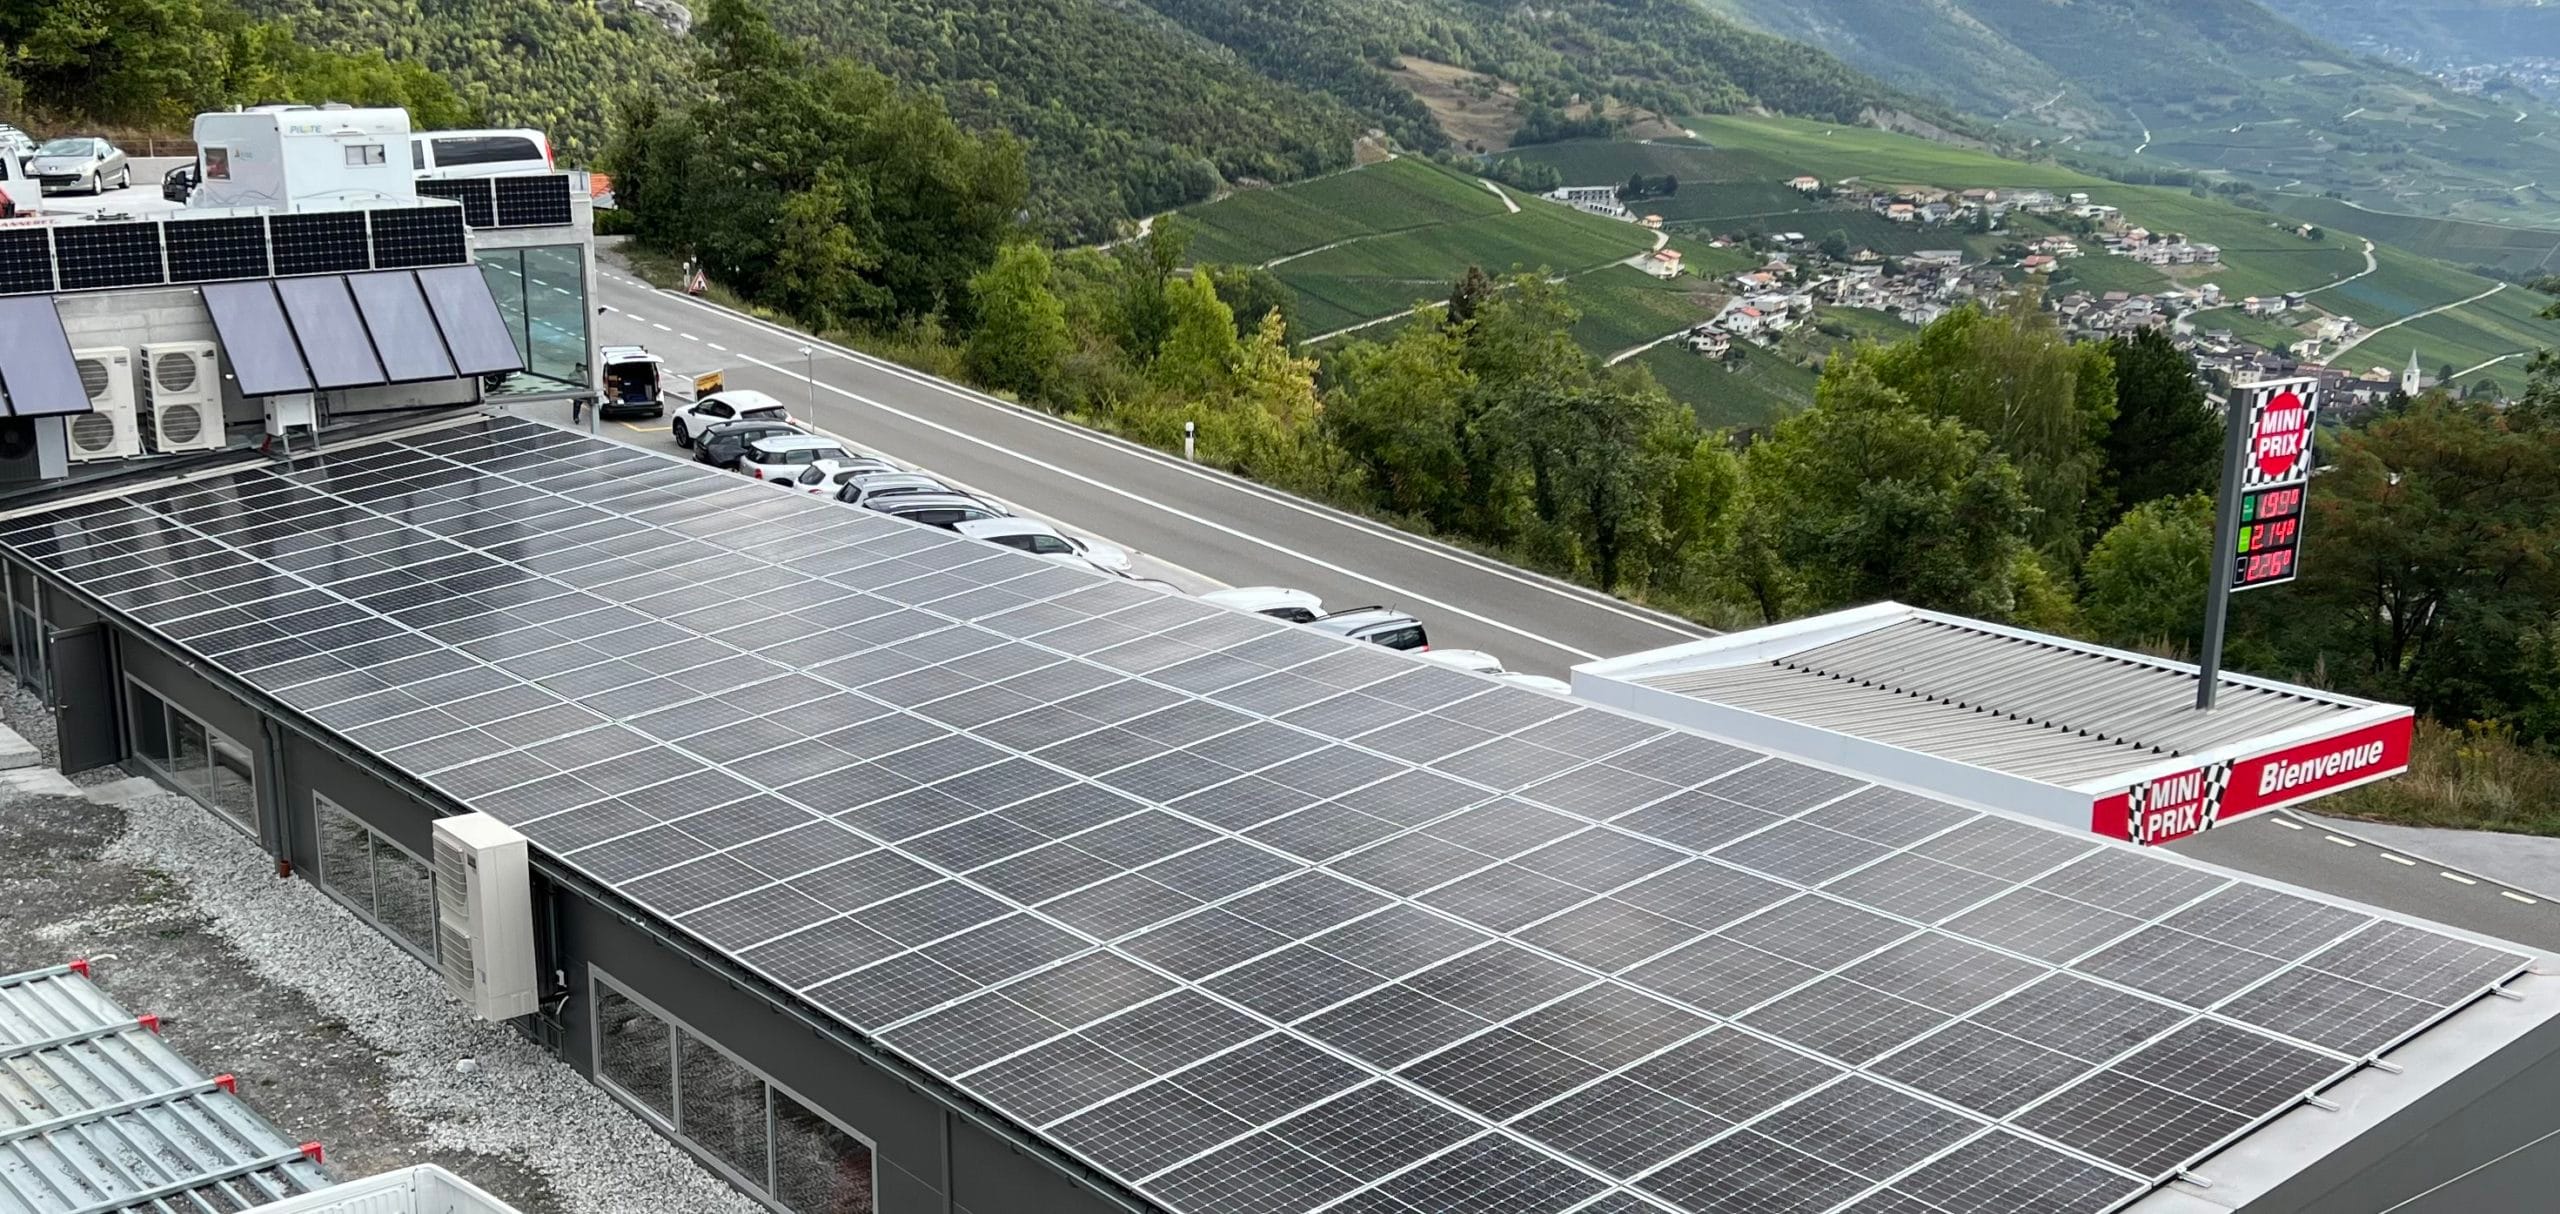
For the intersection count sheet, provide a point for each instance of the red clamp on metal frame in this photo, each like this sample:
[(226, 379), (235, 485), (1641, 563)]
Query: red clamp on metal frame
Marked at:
[(149, 1020), (80, 966), (227, 1083), (312, 1152)]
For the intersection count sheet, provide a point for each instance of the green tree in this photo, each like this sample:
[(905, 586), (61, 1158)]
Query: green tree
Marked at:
[(1022, 324), (1467, 296), (2146, 578), (1398, 411), (1603, 460), (2043, 402), (818, 258), (2165, 439), (1865, 497), (1141, 312), (1835, 245), (1200, 349), (2431, 557), (1253, 293)]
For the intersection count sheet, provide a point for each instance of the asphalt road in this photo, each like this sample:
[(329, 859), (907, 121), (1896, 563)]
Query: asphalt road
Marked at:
[(1225, 530)]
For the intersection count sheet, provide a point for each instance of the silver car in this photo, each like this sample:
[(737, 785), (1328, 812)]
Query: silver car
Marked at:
[(80, 162)]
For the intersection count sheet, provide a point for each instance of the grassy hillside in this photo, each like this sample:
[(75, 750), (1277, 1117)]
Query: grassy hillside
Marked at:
[(2521, 250), (2440, 31), (1375, 276), (1251, 227), (2224, 86)]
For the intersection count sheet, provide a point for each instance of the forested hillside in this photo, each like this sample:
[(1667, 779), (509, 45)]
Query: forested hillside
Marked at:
[(2221, 85), (1128, 109)]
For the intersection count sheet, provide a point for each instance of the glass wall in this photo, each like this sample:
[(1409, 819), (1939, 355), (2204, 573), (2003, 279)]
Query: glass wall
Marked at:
[(757, 1133), (27, 640), (193, 757), (542, 296), (386, 883)]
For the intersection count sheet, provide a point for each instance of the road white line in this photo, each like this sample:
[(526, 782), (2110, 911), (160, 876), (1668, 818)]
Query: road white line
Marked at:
[(1560, 589), (2402, 860), (2513, 896), (2287, 823), (2457, 877), (2340, 842), (688, 337), (1402, 593), (717, 346), (659, 327)]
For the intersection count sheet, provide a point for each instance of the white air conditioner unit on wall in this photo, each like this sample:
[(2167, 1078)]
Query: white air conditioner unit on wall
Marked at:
[(484, 915), (109, 429), (184, 383)]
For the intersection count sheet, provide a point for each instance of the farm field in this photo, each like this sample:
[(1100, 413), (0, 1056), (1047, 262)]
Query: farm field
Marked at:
[(1766, 388), (1372, 277), (1623, 307), (2460, 241), (1832, 151), (1250, 227)]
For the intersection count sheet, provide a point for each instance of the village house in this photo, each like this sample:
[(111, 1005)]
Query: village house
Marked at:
[(1651, 221), (1901, 212), (1595, 199), (2036, 263), (1661, 263), (1707, 340), (1938, 257), (1804, 185)]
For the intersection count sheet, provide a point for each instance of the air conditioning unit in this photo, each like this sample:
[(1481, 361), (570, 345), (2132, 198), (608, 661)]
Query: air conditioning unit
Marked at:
[(484, 915), (109, 430), (185, 386)]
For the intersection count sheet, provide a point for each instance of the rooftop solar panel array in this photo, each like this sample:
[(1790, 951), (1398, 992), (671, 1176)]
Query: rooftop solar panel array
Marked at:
[(1251, 919)]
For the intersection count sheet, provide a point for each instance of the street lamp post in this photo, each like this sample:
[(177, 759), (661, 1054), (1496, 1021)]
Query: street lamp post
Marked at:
[(811, 353)]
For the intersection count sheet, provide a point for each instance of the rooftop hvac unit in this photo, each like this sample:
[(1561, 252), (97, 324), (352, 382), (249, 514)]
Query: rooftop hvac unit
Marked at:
[(108, 430), (185, 386), (484, 915)]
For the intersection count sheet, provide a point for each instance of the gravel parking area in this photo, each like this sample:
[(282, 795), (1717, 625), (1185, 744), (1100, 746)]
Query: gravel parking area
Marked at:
[(335, 1033)]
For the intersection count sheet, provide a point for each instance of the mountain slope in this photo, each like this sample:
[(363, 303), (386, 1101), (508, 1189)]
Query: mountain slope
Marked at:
[(2437, 32), (2221, 85)]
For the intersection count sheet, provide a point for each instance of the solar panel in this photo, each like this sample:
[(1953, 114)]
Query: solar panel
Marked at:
[(479, 205), (38, 376), (26, 261), (321, 242), (1173, 888), (332, 335), (206, 250), (109, 255), (534, 200), (256, 340), (473, 331), (426, 236)]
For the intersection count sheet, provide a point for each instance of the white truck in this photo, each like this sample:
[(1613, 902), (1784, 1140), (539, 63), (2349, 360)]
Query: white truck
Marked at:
[(277, 157)]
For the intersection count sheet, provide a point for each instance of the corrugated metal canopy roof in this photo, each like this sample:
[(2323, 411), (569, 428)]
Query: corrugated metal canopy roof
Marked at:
[(2008, 703)]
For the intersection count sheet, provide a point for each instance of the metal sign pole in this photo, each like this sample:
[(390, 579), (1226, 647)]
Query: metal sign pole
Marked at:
[(2226, 545)]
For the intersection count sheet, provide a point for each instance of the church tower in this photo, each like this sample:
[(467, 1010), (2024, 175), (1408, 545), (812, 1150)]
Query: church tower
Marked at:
[(2409, 378)]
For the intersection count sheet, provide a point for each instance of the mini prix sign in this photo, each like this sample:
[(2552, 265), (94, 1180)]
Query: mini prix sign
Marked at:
[(2181, 803), (2280, 421)]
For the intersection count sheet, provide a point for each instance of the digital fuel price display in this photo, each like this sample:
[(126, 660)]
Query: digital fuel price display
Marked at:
[(2270, 535)]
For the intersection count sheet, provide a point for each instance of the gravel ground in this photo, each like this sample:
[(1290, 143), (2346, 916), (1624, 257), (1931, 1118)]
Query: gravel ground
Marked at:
[(336, 1034)]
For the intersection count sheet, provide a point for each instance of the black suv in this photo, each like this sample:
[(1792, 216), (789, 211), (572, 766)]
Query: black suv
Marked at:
[(721, 445)]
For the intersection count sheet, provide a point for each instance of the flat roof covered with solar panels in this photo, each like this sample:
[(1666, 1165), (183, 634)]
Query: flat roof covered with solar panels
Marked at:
[(1246, 919)]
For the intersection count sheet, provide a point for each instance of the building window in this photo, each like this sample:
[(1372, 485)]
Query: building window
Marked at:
[(193, 757), (542, 297), (759, 1134), (386, 883)]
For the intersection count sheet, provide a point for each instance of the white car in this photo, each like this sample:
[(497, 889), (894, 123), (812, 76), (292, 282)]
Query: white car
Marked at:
[(738, 404), (829, 475), (1476, 660), (871, 486), (1042, 540), (1278, 602), (784, 456)]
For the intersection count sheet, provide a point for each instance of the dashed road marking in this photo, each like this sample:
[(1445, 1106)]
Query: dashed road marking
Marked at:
[(2340, 842), (2513, 896), (717, 346), (659, 327), (2287, 823), (2399, 859), (688, 337), (2457, 877)]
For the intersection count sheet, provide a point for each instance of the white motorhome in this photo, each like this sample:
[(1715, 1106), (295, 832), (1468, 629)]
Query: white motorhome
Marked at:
[(280, 156)]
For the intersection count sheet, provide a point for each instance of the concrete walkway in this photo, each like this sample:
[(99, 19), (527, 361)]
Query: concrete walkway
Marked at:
[(2528, 863)]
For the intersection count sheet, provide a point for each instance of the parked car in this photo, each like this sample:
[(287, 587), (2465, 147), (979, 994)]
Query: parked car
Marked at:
[(1376, 625), (739, 404), (1042, 540), (827, 476), (780, 457), (632, 386), (445, 155), (944, 510), (1278, 602), (1475, 660), (863, 489), (179, 184), (16, 144), (721, 445), (80, 162)]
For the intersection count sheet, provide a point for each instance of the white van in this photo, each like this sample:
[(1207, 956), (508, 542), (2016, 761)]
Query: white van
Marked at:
[(446, 155)]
